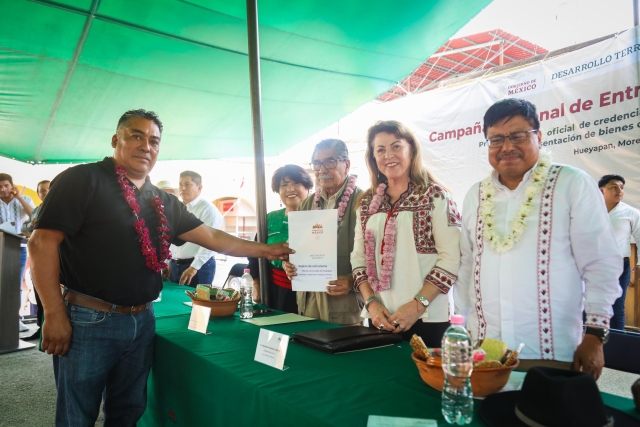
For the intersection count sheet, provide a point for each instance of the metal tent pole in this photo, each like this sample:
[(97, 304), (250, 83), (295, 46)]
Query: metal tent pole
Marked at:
[(258, 146), (636, 14)]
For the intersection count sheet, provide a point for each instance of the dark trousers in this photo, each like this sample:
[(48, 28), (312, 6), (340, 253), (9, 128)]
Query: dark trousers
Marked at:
[(618, 320), (204, 276), (284, 299), (431, 333)]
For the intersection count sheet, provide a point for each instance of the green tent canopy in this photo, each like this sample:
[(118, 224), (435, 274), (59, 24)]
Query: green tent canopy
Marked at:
[(70, 68)]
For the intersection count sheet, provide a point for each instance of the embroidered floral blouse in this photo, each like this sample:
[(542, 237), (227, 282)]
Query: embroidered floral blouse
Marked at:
[(427, 247)]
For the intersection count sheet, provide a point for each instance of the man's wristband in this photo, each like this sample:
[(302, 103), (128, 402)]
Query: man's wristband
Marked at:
[(369, 301), (601, 333)]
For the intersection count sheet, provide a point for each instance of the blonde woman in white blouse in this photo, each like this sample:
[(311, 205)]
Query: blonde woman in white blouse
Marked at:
[(406, 252)]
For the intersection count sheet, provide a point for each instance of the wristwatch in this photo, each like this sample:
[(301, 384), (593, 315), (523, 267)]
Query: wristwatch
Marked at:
[(422, 300), (601, 333)]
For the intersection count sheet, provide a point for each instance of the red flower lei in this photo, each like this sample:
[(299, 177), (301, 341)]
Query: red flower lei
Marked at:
[(148, 250)]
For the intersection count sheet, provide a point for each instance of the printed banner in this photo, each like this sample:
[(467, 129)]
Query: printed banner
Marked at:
[(588, 103)]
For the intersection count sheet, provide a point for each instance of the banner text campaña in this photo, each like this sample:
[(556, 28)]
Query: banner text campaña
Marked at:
[(605, 99)]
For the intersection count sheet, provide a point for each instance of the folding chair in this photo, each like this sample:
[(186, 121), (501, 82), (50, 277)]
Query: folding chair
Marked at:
[(622, 350), (236, 272)]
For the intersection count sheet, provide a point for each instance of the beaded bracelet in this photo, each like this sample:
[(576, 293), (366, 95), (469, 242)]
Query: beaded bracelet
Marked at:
[(369, 301)]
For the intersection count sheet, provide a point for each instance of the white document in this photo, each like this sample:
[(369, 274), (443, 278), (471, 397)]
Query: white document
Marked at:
[(314, 236), (7, 226), (380, 421), (199, 318), (272, 349)]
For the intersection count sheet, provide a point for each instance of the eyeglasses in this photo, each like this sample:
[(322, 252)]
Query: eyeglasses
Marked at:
[(515, 138), (328, 164)]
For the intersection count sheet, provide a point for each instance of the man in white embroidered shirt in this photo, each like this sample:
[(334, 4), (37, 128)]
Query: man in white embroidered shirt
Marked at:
[(532, 232), (626, 223), (191, 264)]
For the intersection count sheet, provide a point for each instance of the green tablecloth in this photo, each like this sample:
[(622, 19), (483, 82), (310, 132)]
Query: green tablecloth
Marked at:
[(200, 379)]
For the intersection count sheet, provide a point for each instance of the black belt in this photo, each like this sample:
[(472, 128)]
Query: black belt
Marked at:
[(183, 261)]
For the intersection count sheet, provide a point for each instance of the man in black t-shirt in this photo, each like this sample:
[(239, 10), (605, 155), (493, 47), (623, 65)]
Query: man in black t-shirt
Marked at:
[(97, 250)]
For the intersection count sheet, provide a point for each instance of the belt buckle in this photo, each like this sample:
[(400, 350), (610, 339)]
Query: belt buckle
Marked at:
[(135, 310)]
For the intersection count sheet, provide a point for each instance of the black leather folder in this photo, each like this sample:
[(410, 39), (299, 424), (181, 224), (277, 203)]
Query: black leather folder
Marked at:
[(350, 338)]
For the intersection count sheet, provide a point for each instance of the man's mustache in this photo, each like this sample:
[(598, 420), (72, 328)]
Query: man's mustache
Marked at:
[(510, 154), (325, 176)]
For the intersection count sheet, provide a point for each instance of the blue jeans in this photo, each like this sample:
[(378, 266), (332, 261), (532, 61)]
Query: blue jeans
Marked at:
[(109, 358), (618, 320), (204, 276)]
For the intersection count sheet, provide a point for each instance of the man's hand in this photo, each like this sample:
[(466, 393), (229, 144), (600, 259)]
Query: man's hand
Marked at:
[(17, 194), (187, 275), (256, 291), (56, 333), (166, 273), (589, 356), (278, 251), (342, 286), (290, 269)]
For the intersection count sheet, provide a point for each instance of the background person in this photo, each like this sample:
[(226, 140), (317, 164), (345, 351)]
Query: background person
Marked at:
[(626, 223), (15, 209), (407, 245), (292, 183), (336, 190), (191, 264), (528, 244), (102, 236), (27, 228), (42, 189)]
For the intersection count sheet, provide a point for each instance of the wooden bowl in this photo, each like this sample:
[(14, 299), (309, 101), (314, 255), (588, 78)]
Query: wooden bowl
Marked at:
[(218, 308), (483, 381)]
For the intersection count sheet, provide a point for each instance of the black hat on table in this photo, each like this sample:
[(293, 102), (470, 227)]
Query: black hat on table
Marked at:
[(553, 397)]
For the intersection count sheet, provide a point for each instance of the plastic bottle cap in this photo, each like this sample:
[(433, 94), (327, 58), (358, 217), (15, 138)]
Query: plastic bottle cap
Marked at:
[(457, 319), (247, 271)]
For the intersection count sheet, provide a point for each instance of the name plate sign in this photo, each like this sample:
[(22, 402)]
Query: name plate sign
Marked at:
[(199, 318), (272, 349)]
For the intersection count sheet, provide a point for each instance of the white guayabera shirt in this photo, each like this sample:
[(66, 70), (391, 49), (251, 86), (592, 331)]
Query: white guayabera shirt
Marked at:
[(534, 293), (626, 223), (209, 215), (14, 212)]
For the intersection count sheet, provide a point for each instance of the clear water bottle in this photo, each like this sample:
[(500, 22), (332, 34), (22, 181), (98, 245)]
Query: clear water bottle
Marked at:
[(457, 364), (246, 298)]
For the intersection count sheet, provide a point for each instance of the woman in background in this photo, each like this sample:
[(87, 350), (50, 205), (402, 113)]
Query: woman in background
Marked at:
[(292, 183)]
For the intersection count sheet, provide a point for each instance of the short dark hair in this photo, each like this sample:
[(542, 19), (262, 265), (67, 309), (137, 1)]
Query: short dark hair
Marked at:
[(337, 145), (6, 177), (509, 108), (46, 181), (295, 173), (613, 177), (195, 176), (143, 114)]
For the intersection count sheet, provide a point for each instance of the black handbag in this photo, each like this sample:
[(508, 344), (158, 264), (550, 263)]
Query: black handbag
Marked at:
[(350, 338)]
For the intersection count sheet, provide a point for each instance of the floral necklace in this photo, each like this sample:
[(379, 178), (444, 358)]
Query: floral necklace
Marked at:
[(148, 250), (505, 243), (388, 246), (344, 201)]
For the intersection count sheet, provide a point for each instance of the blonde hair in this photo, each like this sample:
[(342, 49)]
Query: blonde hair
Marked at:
[(419, 174)]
